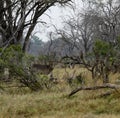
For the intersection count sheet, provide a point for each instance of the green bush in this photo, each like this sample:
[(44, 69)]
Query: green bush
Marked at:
[(19, 65), (44, 81)]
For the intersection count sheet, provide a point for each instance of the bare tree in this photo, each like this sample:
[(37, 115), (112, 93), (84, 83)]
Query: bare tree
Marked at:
[(107, 15), (78, 32), (100, 20), (18, 19)]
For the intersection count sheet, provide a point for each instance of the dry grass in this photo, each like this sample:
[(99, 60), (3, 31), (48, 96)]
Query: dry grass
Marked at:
[(64, 73), (56, 104)]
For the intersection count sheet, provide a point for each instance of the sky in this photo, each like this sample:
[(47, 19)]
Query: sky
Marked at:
[(53, 16)]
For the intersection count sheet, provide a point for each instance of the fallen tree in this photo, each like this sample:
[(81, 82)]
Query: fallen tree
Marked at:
[(108, 85)]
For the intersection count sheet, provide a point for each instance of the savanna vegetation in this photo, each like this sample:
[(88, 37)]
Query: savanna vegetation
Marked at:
[(74, 75)]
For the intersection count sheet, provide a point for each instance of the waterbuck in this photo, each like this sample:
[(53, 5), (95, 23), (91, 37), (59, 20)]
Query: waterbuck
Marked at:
[(43, 69)]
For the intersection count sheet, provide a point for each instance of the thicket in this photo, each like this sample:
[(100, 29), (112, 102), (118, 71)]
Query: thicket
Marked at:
[(20, 71)]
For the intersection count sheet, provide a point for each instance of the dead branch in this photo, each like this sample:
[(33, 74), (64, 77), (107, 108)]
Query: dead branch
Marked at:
[(111, 86)]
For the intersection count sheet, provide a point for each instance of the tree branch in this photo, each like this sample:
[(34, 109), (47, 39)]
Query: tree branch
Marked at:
[(111, 86)]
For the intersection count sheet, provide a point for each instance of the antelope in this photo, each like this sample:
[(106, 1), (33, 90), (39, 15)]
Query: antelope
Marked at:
[(43, 69)]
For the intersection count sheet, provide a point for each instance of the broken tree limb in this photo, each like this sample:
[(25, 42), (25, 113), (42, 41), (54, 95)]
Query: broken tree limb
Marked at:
[(111, 86)]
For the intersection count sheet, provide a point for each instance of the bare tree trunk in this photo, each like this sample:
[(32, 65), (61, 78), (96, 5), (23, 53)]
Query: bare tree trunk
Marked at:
[(14, 19), (27, 38), (38, 13)]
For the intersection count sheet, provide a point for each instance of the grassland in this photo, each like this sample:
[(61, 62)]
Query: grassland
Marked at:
[(55, 103), (58, 105)]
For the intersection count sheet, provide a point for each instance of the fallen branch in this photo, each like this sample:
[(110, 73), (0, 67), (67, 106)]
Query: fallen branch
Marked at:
[(111, 86)]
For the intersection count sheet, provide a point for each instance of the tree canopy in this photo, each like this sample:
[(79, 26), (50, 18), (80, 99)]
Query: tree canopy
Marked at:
[(18, 19)]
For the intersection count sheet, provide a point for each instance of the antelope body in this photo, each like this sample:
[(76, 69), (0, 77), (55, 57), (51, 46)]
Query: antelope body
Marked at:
[(43, 69)]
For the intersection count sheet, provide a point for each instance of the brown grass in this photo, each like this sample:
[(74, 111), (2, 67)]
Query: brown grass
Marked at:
[(58, 105), (55, 103)]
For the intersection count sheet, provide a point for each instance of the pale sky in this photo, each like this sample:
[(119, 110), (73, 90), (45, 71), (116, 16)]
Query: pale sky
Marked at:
[(56, 15)]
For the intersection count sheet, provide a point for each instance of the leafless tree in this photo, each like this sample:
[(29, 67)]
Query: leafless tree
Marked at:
[(78, 32), (107, 15), (99, 20), (18, 19)]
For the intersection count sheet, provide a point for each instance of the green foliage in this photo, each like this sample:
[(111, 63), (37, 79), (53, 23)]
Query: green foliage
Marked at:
[(44, 81), (12, 59), (19, 65), (12, 55), (102, 48), (104, 59), (20, 68), (105, 50)]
